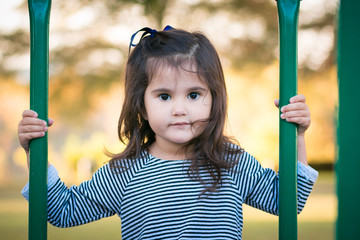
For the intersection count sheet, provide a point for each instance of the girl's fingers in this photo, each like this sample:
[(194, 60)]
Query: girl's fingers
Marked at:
[(51, 121), (32, 121), (298, 98), (276, 102), (29, 113), (299, 120), (29, 132), (24, 138), (294, 107), (303, 123), (32, 128), (295, 114), (296, 102), (30, 117)]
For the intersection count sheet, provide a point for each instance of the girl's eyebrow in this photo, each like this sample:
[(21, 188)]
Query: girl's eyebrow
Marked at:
[(198, 89), (191, 89), (160, 90)]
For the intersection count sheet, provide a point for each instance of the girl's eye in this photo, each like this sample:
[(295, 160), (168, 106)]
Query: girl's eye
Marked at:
[(193, 95), (164, 97)]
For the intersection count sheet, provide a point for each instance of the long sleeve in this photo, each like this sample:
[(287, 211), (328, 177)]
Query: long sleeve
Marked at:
[(53, 177), (156, 199), (90, 201), (260, 186)]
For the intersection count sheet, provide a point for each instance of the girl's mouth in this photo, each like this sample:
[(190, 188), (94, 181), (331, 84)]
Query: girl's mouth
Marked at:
[(180, 124)]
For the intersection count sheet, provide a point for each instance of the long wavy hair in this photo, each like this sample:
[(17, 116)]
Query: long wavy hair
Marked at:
[(176, 48)]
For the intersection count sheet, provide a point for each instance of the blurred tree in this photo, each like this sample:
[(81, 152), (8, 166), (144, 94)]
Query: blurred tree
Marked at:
[(89, 46), (155, 9), (13, 43), (84, 62)]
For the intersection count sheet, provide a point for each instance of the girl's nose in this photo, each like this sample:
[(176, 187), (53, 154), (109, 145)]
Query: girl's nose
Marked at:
[(179, 109)]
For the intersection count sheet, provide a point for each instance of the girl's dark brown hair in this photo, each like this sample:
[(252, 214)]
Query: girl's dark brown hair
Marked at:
[(176, 48)]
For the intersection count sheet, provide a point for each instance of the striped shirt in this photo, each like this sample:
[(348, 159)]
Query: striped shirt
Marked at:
[(155, 198)]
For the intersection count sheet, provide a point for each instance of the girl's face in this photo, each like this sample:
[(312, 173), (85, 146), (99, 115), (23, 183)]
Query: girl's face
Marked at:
[(177, 105)]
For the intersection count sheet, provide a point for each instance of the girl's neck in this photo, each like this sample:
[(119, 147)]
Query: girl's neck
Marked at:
[(173, 152)]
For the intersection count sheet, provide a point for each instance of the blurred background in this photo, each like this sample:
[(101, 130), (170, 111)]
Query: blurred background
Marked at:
[(88, 44)]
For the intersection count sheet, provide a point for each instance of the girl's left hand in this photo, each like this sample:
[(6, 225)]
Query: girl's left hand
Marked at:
[(296, 112)]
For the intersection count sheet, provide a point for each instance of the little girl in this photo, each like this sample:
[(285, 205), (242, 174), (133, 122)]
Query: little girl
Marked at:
[(179, 176)]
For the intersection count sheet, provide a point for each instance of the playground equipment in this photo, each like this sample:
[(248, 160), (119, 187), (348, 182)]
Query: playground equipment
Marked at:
[(39, 11), (349, 118), (288, 11), (348, 164)]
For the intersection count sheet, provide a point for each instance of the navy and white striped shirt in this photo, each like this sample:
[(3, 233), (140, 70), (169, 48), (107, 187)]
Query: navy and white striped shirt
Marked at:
[(155, 198)]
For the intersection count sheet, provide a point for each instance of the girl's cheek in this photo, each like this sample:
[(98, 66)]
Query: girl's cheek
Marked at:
[(199, 127)]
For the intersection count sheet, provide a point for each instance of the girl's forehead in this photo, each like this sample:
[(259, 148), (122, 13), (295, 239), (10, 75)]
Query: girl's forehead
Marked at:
[(175, 71), (175, 64), (169, 76), (170, 70)]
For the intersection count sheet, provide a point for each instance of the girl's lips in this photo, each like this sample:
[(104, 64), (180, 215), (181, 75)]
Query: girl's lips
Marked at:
[(180, 124)]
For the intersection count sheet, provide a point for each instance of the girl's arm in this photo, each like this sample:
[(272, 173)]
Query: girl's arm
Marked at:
[(302, 157), (77, 205), (298, 112), (263, 190), (259, 186)]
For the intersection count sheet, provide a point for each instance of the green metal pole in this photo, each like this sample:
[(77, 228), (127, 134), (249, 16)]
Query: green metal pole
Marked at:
[(39, 11), (288, 11), (348, 164)]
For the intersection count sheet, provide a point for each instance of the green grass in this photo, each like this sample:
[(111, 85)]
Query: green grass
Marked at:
[(306, 230), (14, 226), (14, 220)]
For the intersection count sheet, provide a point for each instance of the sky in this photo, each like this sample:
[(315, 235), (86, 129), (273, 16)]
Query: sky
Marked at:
[(10, 17)]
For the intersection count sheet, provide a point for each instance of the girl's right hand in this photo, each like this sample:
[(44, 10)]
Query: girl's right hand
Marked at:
[(31, 127)]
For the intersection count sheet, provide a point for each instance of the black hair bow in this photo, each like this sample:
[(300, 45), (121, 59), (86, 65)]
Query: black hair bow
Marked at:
[(146, 31)]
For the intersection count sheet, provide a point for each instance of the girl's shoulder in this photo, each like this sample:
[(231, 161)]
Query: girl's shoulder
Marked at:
[(122, 165), (233, 152), (239, 159)]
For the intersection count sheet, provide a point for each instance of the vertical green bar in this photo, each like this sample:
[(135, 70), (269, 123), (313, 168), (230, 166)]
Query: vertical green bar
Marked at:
[(348, 162), (39, 11), (288, 11)]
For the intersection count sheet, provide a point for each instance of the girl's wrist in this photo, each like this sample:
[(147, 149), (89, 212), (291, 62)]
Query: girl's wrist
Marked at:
[(301, 134), (302, 156), (28, 158)]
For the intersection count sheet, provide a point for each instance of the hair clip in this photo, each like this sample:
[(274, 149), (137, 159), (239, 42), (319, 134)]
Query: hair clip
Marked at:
[(147, 31), (168, 27)]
